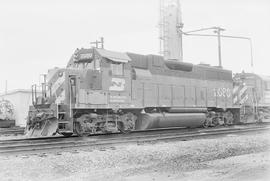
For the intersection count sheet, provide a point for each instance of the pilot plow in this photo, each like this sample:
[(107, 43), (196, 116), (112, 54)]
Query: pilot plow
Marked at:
[(41, 124)]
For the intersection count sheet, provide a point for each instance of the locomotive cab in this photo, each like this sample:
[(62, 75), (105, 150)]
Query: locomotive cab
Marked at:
[(103, 91)]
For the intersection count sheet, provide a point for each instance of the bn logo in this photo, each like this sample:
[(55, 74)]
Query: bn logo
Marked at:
[(117, 84)]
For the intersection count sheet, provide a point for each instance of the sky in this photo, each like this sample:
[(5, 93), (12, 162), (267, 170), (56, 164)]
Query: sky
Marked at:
[(37, 35)]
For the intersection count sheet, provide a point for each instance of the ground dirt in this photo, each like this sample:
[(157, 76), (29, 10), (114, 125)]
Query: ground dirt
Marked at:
[(231, 157)]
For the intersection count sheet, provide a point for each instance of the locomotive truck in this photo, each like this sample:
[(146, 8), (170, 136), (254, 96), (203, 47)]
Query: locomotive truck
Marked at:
[(102, 91)]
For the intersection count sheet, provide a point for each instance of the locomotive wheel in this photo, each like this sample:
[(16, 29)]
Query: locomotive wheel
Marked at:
[(228, 119), (215, 122), (78, 129), (206, 124), (121, 128), (127, 123)]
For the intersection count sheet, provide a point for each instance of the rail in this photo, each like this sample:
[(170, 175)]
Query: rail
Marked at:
[(28, 146)]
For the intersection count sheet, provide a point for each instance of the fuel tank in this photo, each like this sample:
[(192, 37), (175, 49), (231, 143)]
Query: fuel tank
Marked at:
[(166, 120)]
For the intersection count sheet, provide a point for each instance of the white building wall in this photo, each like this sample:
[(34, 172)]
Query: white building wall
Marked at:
[(21, 100)]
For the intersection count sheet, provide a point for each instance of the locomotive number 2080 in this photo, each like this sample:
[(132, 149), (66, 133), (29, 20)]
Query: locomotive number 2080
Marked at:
[(222, 92)]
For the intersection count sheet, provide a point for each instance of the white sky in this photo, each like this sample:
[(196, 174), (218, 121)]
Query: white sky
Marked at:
[(38, 35)]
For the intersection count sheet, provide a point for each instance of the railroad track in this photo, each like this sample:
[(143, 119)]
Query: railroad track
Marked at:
[(12, 131), (28, 146)]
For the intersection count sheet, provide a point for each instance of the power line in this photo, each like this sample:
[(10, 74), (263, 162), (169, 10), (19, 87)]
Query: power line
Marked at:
[(191, 33)]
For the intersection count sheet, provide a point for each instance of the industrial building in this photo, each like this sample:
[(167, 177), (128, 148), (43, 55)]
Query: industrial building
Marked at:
[(21, 100)]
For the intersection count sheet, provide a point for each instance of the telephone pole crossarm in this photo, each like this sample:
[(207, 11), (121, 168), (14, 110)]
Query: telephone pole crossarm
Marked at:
[(101, 42)]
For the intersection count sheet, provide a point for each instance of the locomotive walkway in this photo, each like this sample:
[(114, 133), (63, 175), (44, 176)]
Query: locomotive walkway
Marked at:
[(48, 144)]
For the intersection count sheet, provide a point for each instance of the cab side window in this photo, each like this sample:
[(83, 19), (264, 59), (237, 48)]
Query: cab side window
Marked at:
[(91, 65), (94, 65), (117, 68)]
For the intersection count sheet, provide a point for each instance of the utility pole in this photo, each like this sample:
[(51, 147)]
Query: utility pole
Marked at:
[(96, 43), (6, 87), (218, 30), (102, 42)]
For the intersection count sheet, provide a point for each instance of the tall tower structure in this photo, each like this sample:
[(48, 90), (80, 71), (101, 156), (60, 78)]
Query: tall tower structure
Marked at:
[(170, 27)]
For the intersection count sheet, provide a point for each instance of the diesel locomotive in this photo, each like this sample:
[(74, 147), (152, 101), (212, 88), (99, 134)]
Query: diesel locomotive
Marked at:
[(252, 92), (102, 91)]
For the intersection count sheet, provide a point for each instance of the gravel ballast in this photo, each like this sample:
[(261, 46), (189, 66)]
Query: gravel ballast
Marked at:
[(231, 157)]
